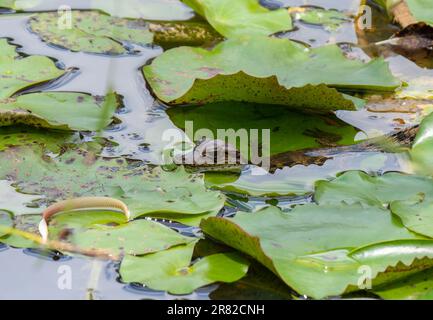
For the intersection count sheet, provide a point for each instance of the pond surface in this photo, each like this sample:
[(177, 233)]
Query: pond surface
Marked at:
[(29, 274)]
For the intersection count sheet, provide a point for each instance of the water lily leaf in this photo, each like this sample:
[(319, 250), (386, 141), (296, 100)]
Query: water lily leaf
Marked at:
[(308, 248), (161, 10), (289, 131), (235, 18), (171, 270), (422, 147), (331, 19), (286, 73), (136, 238), (5, 221), (60, 110), (358, 187), (415, 215), (28, 223), (13, 136), (407, 12), (91, 32), (18, 73), (145, 189), (350, 6), (415, 287)]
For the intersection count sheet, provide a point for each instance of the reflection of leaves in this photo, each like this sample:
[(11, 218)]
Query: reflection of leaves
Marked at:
[(144, 189), (240, 17), (172, 271), (318, 250), (286, 73)]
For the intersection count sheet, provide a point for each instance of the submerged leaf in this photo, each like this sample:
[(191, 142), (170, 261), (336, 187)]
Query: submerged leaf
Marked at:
[(171, 270), (285, 73), (145, 190), (241, 17)]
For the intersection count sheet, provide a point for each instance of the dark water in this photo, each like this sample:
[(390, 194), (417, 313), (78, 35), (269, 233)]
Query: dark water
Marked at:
[(29, 274)]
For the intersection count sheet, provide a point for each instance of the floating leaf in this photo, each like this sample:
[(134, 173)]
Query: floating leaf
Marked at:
[(95, 32), (415, 287), (416, 215), (241, 17), (5, 222), (286, 73), (422, 148), (91, 32), (171, 270), (289, 131), (18, 73), (308, 248), (60, 110), (28, 223), (331, 19), (145, 189), (358, 187), (136, 238)]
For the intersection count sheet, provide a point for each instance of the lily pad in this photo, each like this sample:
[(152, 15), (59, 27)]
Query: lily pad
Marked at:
[(416, 215), (422, 148), (358, 187), (331, 19), (415, 287), (285, 73), (172, 271), (310, 247), (60, 110), (145, 189), (90, 31), (28, 223), (241, 17), (137, 238), (5, 222), (289, 130), (18, 73)]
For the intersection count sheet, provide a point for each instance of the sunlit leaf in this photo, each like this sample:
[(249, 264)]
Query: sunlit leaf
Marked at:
[(285, 73), (172, 271)]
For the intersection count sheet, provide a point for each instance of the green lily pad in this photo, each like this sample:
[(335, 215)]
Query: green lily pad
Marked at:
[(5, 222), (310, 247), (92, 32), (289, 131), (171, 270), (358, 187), (13, 136), (415, 215), (331, 19), (28, 223), (136, 238), (60, 110), (422, 10), (415, 287), (145, 189), (241, 17), (285, 73), (17, 202), (18, 73), (422, 148)]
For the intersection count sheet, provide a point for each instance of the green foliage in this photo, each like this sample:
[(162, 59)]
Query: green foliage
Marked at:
[(241, 17), (171, 270), (285, 73)]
